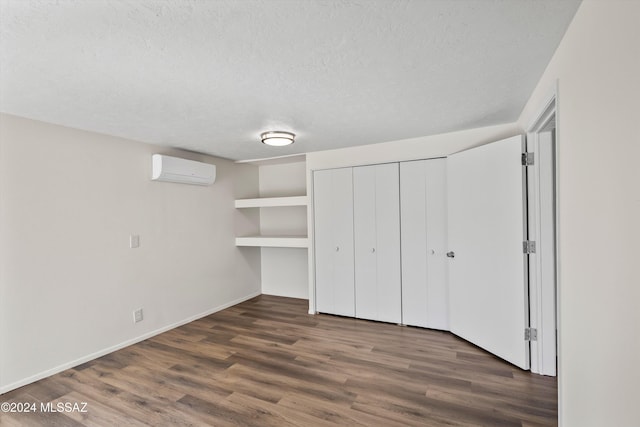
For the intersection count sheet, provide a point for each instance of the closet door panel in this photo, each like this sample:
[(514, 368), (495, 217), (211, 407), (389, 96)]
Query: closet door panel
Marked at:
[(364, 215), (344, 297), (437, 286), (333, 231), (387, 249), (324, 238), (413, 201), (377, 242), (424, 244)]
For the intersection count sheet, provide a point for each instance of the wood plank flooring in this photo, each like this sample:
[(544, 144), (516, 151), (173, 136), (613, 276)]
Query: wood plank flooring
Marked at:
[(266, 362)]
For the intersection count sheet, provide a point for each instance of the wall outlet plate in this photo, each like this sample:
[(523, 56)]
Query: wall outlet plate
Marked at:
[(137, 315), (134, 241)]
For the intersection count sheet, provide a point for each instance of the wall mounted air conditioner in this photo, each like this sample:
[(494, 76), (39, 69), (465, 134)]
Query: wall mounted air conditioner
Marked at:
[(174, 169)]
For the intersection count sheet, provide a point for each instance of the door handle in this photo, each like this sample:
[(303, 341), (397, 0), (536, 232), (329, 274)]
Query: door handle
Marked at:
[(373, 250), (451, 254), (337, 248)]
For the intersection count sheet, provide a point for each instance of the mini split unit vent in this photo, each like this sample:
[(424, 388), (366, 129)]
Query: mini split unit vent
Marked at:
[(174, 169)]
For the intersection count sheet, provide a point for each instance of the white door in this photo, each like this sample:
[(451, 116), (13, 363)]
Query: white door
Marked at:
[(423, 213), (487, 288), (376, 213), (333, 222)]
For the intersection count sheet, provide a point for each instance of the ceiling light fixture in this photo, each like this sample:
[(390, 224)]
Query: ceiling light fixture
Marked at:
[(277, 138)]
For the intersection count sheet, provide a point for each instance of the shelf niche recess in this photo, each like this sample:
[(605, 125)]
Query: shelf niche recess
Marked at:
[(273, 241)]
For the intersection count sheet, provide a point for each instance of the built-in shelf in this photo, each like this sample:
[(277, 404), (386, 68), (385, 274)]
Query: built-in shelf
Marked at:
[(274, 241), (265, 202)]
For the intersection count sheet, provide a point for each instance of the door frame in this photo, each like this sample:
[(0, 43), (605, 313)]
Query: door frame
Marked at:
[(542, 294)]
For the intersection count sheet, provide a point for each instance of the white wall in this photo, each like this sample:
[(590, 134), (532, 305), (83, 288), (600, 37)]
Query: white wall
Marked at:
[(284, 270), (597, 67), (426, 147), (69, 282), (395, 151)]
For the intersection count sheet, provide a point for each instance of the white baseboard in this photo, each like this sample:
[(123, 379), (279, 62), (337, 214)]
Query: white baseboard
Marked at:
[(284, 295), (122, 345)]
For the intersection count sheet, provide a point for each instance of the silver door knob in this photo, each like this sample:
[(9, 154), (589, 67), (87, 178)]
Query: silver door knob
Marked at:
[(373, 250), (451, 254)]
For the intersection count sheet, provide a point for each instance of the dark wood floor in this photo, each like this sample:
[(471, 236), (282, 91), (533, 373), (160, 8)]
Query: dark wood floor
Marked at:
[(266, 362)]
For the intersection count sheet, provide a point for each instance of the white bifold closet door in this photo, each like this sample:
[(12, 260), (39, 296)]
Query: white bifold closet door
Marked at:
[(376, 210), (487, 276), (333, 230), (423, 206)]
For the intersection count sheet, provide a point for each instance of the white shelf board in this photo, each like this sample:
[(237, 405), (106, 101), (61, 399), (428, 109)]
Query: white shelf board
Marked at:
[(265, 202), (274, 241)]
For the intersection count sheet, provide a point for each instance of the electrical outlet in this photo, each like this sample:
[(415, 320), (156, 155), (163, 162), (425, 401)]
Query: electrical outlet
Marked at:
[(137, 315), (134, 241)]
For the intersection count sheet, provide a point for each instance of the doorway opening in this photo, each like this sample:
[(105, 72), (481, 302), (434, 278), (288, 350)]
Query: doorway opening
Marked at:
[(541, 228)]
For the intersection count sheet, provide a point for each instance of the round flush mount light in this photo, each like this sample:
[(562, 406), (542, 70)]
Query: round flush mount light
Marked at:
[(277, 138)]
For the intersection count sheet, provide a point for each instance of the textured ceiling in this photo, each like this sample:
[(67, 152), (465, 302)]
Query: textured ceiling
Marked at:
[(210, 76)]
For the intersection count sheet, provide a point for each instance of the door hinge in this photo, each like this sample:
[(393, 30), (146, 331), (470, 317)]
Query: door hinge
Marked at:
[(528, 159), (529, 247), (530, 334)]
